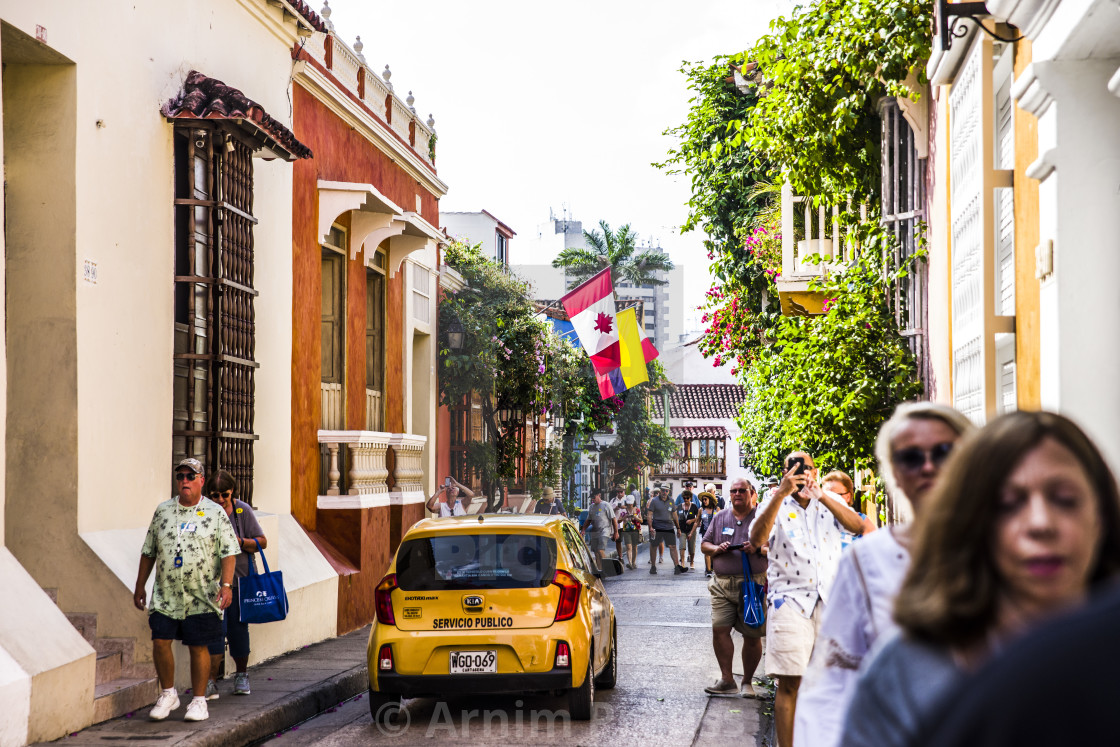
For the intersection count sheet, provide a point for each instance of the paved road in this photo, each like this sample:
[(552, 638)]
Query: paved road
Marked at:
[(665, 661)]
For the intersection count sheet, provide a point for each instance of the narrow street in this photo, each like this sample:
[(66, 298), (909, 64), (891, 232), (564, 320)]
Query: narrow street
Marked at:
[(665, 662)]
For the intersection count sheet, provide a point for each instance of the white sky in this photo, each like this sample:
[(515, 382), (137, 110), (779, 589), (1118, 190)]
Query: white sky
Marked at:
[(543, 106)]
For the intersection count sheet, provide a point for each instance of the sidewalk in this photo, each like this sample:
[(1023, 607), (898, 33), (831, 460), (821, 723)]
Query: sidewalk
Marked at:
[(286, 691)]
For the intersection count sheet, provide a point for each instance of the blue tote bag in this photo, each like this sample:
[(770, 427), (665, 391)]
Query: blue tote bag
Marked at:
[(754, 598), (263, 599)]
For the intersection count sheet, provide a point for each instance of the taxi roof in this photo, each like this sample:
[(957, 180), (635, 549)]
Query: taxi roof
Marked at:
[(474, 522)]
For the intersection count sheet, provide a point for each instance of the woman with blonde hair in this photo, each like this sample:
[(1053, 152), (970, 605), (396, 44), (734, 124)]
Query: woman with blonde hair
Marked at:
[(911, 449), (1024, 521)]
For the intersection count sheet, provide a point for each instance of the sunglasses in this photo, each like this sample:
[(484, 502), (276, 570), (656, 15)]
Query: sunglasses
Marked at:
[(185, 475), (737, 490), (914, 458), (222, 494)]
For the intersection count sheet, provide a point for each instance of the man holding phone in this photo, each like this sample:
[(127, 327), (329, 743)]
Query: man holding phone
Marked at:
[(804, 528)]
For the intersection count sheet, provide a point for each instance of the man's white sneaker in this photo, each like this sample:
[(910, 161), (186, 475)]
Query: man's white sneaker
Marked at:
[(168, 701), (197, 710)]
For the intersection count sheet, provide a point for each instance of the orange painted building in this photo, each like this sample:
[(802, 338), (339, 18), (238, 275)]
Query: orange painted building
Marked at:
[(364, 316)]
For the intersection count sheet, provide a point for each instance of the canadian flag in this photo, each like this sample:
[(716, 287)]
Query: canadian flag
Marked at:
[(590, 308)]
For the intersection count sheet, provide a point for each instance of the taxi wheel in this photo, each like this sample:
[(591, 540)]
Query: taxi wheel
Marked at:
[(581, 700), (609, 675), (384, 708)]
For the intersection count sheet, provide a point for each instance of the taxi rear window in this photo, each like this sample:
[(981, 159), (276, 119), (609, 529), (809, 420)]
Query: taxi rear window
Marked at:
[(476, 561)]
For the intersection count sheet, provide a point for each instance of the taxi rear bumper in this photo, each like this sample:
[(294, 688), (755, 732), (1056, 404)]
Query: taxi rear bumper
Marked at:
[(434, 685)]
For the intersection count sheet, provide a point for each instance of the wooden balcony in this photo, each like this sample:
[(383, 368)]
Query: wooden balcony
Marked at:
[(809, 230), (692, 467)]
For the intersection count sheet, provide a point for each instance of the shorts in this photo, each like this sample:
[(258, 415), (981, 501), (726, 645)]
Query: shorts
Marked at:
[(727, 603), (632, 539), (791, 639), (194, 630), (598, 541), (666, 536)]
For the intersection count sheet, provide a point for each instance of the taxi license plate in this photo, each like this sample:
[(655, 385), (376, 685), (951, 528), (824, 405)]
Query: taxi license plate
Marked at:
[(463, 662)]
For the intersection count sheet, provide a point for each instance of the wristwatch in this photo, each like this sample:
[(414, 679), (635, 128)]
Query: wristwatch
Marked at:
[(228, 586)]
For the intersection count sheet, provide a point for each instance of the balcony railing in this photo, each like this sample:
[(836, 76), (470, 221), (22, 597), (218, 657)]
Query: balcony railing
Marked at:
[(355, 468), (808, 230), (692, 466), (363, 461)]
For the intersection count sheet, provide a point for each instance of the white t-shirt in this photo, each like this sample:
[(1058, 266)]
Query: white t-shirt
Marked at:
[(859, 613), (456, 510), (805, 545)]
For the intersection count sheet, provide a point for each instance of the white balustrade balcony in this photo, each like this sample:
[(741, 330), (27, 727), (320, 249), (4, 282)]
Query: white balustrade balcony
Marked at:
[(366, 478), (808, 230), (357, 472)]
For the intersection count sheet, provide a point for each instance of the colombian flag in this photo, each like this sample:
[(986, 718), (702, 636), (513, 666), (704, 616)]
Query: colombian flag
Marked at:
[(635, 351)]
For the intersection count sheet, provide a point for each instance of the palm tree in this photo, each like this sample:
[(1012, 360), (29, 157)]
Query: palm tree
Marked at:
[(616, 249)]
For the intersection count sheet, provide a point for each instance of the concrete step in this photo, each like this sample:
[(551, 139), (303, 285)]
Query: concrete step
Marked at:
[(85, 623), (108, 667), (121, 696), (126, 647)]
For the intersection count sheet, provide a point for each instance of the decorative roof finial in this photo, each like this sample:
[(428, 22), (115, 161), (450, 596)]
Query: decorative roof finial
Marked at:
[(431, 122), (358, 47), (386, 74), (410, 101), (326, 14)]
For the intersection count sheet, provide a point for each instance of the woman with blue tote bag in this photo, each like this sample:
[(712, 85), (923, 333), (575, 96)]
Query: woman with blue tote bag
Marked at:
[(221, 488)]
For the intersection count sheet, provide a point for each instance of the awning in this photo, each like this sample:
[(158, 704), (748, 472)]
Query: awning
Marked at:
[(206, 98), (693, 432)]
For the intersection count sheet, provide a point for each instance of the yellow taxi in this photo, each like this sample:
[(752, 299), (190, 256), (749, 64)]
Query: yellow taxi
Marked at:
[(492, 603)]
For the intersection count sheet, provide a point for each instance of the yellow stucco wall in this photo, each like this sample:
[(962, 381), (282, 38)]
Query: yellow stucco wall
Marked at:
[(1027, 342)]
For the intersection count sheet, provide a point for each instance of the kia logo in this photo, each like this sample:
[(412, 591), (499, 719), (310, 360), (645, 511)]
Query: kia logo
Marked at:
[(472, 601)]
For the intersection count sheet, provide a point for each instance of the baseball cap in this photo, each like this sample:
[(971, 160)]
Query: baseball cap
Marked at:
[(629, 500), (192, 464)]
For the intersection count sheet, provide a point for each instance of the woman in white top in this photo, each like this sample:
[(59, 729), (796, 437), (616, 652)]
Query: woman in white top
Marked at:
[(452, 504), (911, 447)]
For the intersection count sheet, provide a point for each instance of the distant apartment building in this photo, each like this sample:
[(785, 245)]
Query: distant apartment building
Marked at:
[(662, 305), (480, 227)]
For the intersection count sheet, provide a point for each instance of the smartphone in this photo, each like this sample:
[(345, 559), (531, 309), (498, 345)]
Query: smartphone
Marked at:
[(799, 463), (447, 482)]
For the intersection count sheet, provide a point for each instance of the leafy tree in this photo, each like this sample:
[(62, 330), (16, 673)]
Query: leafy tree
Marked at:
[(722, 169), (808, 116), (641, 442), (511, 357), (824, 69), (617, 250), (825, 383)]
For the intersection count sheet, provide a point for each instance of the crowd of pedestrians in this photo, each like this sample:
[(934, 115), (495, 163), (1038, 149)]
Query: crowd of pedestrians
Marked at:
[(871, 636)]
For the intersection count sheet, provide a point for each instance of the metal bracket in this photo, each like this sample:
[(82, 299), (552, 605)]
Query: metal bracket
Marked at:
[(948, 30)]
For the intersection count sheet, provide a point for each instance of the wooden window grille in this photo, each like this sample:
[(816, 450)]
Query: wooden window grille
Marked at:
[(214, 346), (903, 177)]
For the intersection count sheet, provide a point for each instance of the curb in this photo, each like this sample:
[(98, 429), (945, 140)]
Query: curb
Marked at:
[(286, 712)]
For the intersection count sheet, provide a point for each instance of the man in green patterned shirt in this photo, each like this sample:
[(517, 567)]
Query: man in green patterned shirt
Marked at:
[(193, 548)]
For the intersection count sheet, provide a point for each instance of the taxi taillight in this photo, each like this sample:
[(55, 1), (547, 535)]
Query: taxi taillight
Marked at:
[(563, 656), (385, 658), (383, 597), (569, 595)]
